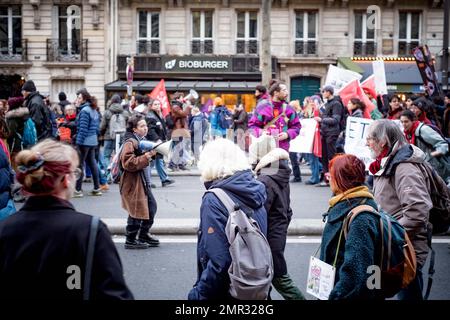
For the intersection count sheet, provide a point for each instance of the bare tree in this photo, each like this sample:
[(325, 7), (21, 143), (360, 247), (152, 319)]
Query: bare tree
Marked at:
[(265, 56)]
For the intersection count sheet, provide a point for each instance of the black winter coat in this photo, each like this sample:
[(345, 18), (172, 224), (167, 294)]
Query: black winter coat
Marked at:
[(279, 213), (40, 114), (42, 240)]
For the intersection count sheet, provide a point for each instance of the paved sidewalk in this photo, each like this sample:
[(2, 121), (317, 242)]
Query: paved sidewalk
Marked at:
[(298, 227)]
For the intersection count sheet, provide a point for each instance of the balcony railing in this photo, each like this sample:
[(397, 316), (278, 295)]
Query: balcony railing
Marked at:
[(147, 47), (364, 49), (14, 50), (305, 47), (246, 47), (202, 47), (64, 50), (405, 48)]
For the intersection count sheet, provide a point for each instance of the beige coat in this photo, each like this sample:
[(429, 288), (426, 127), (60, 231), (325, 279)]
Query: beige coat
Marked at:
[(132, 189), (404, 193)]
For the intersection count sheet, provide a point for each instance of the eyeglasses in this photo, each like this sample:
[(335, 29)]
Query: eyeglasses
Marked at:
[(77, 173)]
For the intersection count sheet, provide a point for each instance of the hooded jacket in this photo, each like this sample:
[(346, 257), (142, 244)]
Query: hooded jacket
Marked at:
[(15, 119), (114, 108), (274, 172), (402, 190), (213, 256)]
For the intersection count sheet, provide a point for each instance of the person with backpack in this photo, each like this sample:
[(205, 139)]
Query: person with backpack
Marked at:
[(401, 188), (352, 239), (47, 244), (114, 122), (39, 112), (332, 123), (135, 187), (431, 142), (276, 117), (272, 169), (223, 165), (87, 140), (220, 119)]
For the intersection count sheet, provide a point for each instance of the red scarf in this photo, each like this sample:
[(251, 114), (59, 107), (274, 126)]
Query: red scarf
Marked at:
[(411, 133), (376, 165)]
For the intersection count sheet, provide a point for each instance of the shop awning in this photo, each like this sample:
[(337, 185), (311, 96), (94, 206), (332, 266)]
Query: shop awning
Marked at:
[(184, 85)]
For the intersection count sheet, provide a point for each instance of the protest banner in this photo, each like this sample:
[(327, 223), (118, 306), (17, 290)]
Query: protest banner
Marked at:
[(338, 77), (303, 143)]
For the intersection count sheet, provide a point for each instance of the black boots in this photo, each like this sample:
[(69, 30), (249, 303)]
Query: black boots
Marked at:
[(131, 242), (147, 238)]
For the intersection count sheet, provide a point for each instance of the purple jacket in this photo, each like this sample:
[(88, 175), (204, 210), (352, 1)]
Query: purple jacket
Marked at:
[(264, 114)]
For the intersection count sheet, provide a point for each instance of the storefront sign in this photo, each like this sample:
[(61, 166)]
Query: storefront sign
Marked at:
[(196, 64)]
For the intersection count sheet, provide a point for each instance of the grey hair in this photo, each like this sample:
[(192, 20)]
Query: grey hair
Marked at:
[(386, 132)]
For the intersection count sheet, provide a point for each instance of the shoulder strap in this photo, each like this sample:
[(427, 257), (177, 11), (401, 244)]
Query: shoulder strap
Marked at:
[(225, 199), (90, 258)]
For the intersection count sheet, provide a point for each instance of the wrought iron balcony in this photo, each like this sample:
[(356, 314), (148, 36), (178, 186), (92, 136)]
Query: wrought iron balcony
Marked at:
[(14, 50), (405, 48), (364, 49), (246, 47), (64, 50), (202, 47), (147, 47), (306, 47)]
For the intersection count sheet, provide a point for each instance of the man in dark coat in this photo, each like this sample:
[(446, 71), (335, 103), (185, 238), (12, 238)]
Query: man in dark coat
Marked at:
[(274, 172), (39, 112)]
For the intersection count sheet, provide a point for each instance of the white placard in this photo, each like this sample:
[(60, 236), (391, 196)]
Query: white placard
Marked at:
[(303, 143), (320, 279), (380, 76), (338, 77)]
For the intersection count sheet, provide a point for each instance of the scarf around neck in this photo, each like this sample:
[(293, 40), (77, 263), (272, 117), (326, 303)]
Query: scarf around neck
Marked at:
[(357, 192)]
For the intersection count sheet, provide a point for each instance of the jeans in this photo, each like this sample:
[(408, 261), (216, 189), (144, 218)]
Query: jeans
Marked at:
[(87, 154), (316, 167), (413, 292)]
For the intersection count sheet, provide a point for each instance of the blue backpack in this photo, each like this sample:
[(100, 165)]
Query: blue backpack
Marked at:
[(29, 137)]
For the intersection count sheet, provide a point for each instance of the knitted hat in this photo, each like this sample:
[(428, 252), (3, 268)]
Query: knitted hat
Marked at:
[(62, 96), (15, 102), (29, 86)]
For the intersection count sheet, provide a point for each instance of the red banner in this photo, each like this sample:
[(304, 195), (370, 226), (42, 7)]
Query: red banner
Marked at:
[(160, 93), (353, 90)]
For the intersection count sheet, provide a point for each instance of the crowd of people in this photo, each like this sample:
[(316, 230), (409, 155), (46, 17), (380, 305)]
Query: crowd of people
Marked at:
[(234, 151)]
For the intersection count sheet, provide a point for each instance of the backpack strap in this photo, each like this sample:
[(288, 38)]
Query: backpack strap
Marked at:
[(225, 199)]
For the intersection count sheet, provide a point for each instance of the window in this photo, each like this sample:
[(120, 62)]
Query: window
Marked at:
[(202, 32), (10, 31), (148, 33), (247, 32), (364, 44), (69, 29), (409, 32), (306, 25)]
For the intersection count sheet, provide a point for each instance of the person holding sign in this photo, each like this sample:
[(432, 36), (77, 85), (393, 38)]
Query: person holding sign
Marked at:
[(353, 256)]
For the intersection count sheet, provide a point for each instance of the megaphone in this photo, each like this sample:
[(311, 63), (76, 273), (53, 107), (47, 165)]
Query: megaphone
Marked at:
[(193, 95)]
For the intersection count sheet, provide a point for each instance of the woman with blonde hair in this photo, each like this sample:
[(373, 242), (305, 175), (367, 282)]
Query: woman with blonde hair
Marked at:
[(223, 165), (46, 243)]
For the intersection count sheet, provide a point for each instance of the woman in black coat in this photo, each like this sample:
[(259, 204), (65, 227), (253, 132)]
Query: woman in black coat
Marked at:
[(43, 247), (274, 172)]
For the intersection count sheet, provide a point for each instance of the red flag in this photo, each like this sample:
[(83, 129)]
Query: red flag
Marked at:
[(368, 85), (353, 90), (159, 92)]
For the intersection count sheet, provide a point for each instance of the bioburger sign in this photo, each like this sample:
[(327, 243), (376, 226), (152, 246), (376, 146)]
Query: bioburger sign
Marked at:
[(197, 64)]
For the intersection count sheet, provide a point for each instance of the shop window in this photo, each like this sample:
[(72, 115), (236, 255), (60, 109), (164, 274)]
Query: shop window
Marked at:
[(364, 43)]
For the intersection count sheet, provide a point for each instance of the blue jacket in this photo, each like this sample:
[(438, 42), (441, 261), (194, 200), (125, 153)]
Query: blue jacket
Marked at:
[(6, 179), (87, 126), (213, 257), (358, 252)]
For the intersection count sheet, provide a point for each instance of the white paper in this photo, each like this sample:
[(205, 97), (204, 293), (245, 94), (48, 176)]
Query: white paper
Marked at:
[(320, 279), (303, 143)]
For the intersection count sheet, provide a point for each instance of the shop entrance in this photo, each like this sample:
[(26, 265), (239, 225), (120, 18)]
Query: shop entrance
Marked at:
[(10, 86), (302, 87)]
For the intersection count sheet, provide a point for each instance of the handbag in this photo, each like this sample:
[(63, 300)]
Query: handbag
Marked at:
[(9, 210)]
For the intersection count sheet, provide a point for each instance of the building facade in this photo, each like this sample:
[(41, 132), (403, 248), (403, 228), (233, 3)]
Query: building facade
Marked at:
[(210, 46)]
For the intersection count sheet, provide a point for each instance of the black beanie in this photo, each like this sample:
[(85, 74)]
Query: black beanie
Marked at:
[(29, 86), (62, 96)]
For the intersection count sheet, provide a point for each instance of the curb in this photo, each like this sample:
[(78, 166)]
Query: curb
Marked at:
[(297, 227)]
